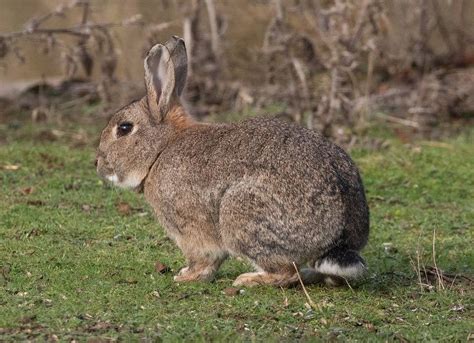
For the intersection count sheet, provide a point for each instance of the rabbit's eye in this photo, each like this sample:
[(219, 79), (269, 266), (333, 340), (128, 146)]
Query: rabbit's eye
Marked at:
[(124, 129)]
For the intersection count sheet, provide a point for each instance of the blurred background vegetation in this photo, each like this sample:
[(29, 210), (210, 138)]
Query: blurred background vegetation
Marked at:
[(338, 66)]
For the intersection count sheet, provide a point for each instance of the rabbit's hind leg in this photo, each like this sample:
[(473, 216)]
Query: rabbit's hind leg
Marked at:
[(286, 278), (264, 278)]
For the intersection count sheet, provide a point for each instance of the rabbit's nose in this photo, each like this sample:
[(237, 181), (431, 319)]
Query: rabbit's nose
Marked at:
[(96, 162)]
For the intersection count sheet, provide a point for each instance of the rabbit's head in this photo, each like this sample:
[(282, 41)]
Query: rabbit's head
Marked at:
[(137, 133)]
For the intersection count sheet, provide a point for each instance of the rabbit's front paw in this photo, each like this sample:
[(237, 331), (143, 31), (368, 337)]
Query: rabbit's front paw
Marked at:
[(194, 274)]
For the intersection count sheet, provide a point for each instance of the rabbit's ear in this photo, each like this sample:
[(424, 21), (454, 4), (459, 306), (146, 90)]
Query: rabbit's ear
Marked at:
[(165, 75), (177, 49)]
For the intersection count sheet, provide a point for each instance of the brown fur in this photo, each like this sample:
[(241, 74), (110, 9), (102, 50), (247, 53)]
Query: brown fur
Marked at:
[(263, 190), (179, 119)]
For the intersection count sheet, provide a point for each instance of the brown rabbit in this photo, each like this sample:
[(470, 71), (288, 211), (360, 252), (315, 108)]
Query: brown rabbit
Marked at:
[(267, 191)]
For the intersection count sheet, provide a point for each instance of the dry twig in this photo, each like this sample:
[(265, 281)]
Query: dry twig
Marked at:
[(310, 301)]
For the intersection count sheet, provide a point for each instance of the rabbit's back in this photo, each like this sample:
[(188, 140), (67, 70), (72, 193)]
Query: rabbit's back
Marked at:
[(262, 184)]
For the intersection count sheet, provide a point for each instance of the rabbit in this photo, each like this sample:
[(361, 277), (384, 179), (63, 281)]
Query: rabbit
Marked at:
[(271, 192)]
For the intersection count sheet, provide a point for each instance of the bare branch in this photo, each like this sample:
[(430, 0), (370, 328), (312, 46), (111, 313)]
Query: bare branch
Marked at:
[(442, 27), (215, 43)]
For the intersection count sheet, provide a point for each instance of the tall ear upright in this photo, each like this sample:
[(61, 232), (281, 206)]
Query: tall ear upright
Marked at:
[(179, 57), (165, 75)]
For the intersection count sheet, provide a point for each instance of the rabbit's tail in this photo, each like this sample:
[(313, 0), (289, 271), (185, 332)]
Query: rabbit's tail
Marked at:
[(339, 266)]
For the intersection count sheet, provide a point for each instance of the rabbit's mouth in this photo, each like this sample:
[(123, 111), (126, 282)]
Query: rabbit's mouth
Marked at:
[(113, 178), (133, 182)]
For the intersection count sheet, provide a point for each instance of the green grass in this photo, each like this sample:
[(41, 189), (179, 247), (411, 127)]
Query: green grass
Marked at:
[(75, 266)]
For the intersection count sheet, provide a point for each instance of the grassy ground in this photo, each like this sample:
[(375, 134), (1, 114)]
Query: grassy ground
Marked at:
[(78, 257)]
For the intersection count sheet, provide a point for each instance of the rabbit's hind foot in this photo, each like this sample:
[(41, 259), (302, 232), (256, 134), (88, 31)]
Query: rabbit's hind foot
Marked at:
[(264, 278)]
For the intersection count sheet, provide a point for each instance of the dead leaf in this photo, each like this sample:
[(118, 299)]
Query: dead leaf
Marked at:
[(231, 291), (27, 190), (124, 208), (11, 167), (161, 268), (86, 208)]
